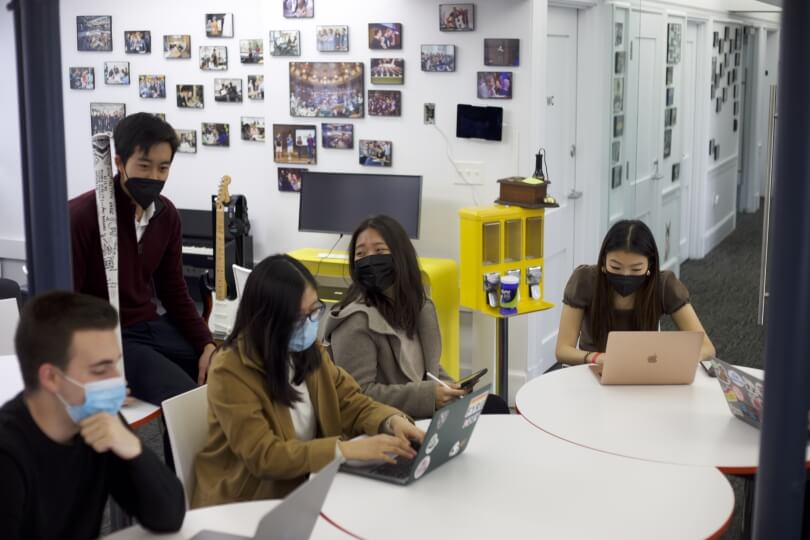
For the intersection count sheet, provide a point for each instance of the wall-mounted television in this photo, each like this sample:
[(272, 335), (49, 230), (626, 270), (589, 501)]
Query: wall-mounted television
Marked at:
[(479, 122), (338, 202)]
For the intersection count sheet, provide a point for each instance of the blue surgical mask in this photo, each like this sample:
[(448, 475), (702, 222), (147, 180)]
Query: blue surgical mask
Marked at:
[(304, 335), (105, 396)]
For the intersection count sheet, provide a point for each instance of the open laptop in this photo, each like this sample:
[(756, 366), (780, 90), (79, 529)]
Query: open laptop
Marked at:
[(650, 358), (295, 517), (743, 392), (447, 437)]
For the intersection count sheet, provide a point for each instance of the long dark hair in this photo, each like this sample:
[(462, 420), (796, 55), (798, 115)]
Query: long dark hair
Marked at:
[(408, 297), (265, 320), (633, 236)]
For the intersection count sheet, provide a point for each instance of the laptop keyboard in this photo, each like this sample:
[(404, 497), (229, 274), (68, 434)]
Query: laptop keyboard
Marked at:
[(400, 469)]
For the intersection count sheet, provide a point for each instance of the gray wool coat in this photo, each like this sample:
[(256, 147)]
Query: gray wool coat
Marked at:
[(366, 346)]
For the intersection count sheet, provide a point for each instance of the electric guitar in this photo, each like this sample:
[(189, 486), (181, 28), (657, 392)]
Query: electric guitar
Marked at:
[(223, 311)]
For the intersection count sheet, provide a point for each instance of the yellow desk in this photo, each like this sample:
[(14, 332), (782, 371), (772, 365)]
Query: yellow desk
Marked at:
[(440, 277)]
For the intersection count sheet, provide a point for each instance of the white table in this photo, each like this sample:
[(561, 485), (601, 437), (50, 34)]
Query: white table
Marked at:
[(237, 518), (515, 481), (680, 424), (136, 413)]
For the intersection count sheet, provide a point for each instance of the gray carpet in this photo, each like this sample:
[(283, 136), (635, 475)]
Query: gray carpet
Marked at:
[(724, 288)]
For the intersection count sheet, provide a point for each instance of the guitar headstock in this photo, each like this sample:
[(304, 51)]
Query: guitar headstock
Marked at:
[(223, 197)]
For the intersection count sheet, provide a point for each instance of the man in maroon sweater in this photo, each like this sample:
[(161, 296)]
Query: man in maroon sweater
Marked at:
[(164, 355)]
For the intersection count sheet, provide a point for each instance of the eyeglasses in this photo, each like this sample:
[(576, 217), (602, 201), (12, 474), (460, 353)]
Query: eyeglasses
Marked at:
[(314, 315)]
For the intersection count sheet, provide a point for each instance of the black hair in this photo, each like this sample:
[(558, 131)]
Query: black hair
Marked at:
[(142, 130), (47, 324), (633, 236), (268, 312), (400, 310)]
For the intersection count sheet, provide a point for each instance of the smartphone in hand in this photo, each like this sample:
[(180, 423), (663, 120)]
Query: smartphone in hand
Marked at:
[(708, 367), (467, 383)]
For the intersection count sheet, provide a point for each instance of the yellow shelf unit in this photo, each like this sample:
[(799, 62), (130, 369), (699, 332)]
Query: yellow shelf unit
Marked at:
[(501, 239), (439, 276)]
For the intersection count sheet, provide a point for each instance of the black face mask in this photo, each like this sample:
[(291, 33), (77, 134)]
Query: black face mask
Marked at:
[(145, 191), (375, 273), (625, 285)]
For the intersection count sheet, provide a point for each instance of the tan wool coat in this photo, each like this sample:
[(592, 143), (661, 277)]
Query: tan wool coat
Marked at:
[(252, 450)]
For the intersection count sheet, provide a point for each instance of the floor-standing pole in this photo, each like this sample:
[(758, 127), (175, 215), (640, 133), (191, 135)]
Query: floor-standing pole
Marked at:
[(502, 356), (42, 144), (780, 482)]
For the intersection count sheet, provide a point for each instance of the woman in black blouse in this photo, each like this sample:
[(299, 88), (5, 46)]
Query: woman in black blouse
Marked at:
[(625, 290)]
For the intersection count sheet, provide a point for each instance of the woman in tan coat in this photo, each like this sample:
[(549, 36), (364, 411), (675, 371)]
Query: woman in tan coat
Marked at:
[(278, 408)]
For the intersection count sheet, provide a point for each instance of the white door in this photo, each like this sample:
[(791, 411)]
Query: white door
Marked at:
[(689, 125), (560, 141)]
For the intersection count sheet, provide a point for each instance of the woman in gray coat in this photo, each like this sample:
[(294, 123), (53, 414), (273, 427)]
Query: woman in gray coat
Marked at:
[(385, 332)]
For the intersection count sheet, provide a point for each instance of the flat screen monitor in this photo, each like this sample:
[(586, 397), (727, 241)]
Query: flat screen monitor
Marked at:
[(338, 202), (479, 122)]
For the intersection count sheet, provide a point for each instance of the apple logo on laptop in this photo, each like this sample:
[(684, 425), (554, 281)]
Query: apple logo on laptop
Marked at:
[(652, 359)]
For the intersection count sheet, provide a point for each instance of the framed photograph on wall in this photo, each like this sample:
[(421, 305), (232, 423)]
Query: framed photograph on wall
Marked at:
[(384, 36), (177, 46), (615, 151), (116, 73), (299, 9), (295, 143), (313, 86), (618, 63), (255, 87), (384, 103), (152, 86), (501, 52), (676, 172), (228, 90), (138, 42), (251, 51), (214, 134), (673, 43), (670, 72), (618, 125), (340, 136), (667, 143), (285, 43), (289, 178), (94, 33), (105, 116), (375, 153), (253, 128), (190, 96), (456, 17), (616, 177), (332, 38), (618, 35), (188, 141), (670, 97), (438, 58), (82, 78), (219, 25), (618, 94), (213, 58), (387, 70), (495, 84)]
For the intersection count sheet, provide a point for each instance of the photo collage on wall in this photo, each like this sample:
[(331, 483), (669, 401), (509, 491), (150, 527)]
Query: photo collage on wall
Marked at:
[(674, 40), (331, 87), (619, 58), (727, 42)]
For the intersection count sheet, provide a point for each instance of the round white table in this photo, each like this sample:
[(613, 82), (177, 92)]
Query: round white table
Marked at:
[(238, 518), (136, 412), (515, 481), (680, 424)]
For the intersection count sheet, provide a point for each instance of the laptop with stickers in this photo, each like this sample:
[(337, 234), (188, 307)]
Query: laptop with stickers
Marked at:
[(446, 437), (294, 517), (742, 390)]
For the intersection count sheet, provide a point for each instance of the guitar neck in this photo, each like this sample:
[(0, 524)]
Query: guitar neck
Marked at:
[(221, 286)]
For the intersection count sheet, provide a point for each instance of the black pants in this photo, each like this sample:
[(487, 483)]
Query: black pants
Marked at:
[(158, 360)]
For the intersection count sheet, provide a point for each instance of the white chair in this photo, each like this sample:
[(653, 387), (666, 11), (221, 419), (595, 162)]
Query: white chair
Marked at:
[(9, 317), (186, 418), (240, 275)]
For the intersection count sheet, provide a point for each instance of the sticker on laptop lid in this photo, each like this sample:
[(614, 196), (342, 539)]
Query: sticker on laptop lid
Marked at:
[(442, 418), (736, 378), (476, 405), (434, 440), (470, 421), (731, 396), (455, 448), (421, 468)]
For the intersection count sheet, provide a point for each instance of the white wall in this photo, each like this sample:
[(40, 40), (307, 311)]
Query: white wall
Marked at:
[(417, 148)]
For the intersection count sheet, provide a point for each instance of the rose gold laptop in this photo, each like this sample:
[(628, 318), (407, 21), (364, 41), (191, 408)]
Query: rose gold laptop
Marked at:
[(650, 358)]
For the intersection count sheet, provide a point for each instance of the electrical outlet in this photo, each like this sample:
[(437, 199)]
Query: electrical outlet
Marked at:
[(471, 171)]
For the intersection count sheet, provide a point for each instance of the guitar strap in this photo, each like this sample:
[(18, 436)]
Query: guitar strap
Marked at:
[(107, 220)]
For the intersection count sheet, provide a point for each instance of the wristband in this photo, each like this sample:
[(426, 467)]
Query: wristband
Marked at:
[(595, 357), (585, 360)]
